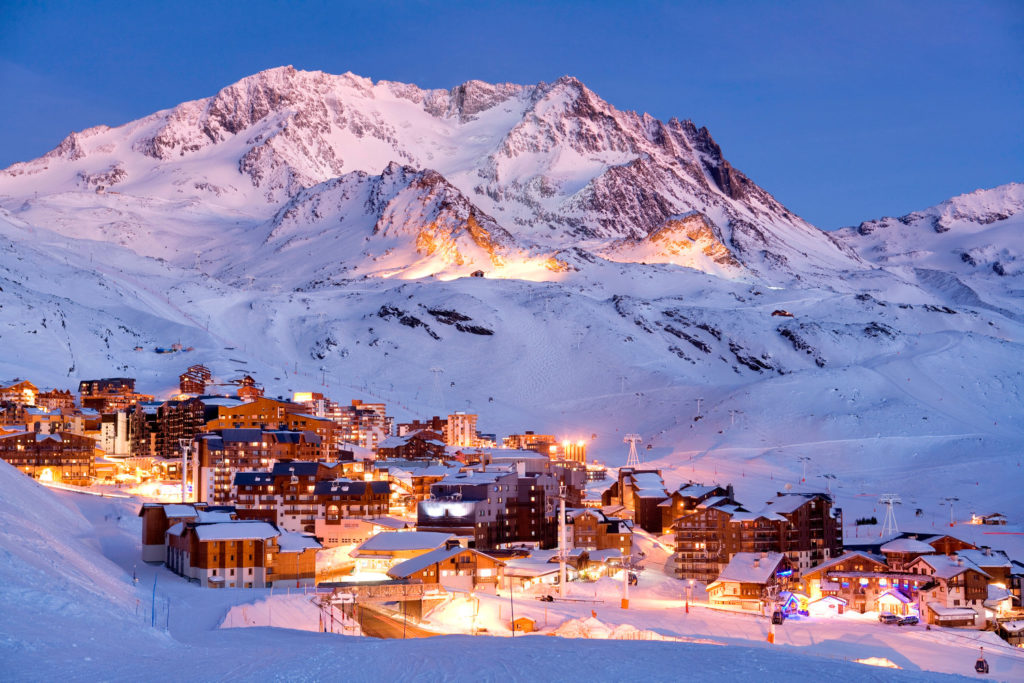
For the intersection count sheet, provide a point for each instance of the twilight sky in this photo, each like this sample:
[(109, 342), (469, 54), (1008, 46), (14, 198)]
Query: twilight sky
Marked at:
[(844, 111)]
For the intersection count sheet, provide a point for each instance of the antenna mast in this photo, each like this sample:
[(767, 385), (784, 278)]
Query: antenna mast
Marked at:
[(632, 440)]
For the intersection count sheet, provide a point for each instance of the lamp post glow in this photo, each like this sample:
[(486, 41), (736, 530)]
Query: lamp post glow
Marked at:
[(185, 444), (689, 593)]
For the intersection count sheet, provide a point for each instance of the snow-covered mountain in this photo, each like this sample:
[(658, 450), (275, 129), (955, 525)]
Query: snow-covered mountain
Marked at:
[(969, 248), (551, 165), (312, 229)]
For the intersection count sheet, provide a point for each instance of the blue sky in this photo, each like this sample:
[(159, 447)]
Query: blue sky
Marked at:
[(844, 111)]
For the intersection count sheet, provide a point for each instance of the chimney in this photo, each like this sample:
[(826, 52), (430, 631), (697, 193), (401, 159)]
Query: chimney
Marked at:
[(764, 555), (959, 561), (757, 563)]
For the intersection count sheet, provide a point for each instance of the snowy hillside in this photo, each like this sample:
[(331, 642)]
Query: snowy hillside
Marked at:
[(969, 248), (315, 230)]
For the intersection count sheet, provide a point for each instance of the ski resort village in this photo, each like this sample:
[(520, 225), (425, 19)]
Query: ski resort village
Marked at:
[(309, 514), (354, 341)]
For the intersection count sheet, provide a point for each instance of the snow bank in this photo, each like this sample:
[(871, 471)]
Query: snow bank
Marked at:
[(281, 611)]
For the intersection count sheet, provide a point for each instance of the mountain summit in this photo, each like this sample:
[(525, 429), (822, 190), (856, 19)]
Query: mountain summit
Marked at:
[(539, 169)]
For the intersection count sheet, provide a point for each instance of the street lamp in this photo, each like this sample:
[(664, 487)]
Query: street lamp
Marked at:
[(184, 444)]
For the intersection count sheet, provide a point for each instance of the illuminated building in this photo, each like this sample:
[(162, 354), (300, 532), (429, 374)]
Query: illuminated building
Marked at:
[(544, 444), (110, 395), (495, 507), (362, 424), (461, 430), (60, 457), (22, 393), (269, 414), (225, 452), (576, 451)]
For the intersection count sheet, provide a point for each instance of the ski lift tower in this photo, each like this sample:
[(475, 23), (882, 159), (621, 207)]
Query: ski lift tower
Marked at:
[(889, 526), (438, 395), (632, 440)]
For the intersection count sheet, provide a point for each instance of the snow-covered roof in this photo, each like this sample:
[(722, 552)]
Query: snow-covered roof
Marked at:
[(474, 477), (845, 556), (295, 542), (1013, 626), (893, 594), (605, 555), (648, 484), (751, 567), (529, 567), (790, 502), (393, 442), (176, 529), (180, 510), (907, 545), (238, 530), (392, 541), (998, 594), (744, 516), (696, 490), (828, 598), (226, 401), (951, 612), (406, 569), (993, 558), (214, 516), (392, 522), (946, 567)]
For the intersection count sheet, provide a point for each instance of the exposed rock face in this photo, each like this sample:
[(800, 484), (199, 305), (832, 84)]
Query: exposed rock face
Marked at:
[(690, 240), (536, 168)]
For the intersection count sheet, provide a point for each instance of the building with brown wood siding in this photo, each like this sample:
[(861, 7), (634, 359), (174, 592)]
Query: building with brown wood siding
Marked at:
[(642, 491), (225, 452), (241, 554), (157, 518), (56, 399), (221, 554), (60, 457), (111, 394), (451, 566), (956, 588), (421, 445), (270, 414), (591, 529), (22, 393)]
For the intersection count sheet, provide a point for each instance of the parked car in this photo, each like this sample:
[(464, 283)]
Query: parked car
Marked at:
[(909, 620), (887, 618)]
